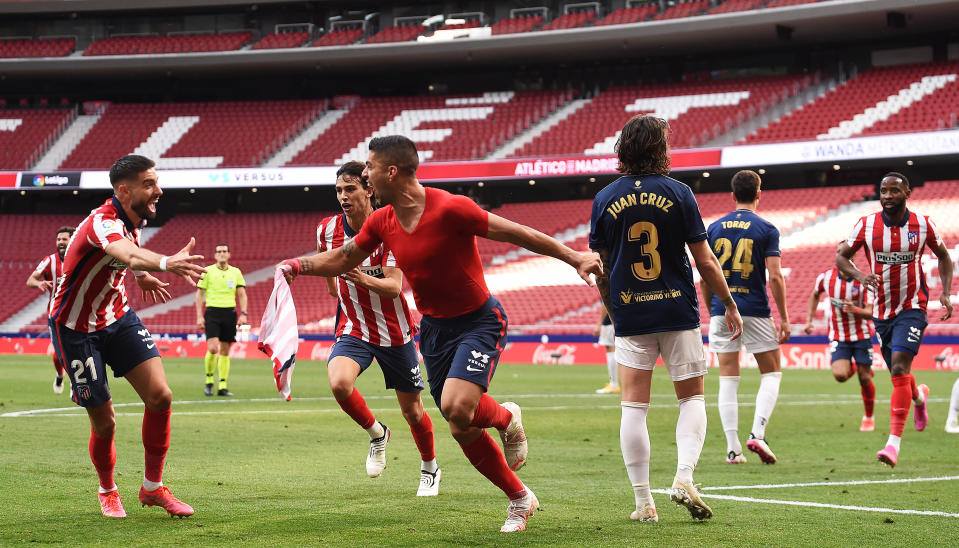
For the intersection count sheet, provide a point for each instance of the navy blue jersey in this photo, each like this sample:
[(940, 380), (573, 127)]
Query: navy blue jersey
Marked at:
[(645, 223), (741, 241)]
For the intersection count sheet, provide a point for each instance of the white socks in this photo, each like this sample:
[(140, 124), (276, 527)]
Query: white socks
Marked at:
[(151, 485), (634, 442), (954, 403), (429, 466), (103, 491), (612, 368), (894, 441), (690, 434), (766, 401), (729, 412), (376, 431)]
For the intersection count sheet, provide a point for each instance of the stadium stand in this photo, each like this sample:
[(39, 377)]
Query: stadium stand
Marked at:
[(440, 124), (730, 6), (37, 47), (193, 135), (180, 43), (280, 40), (340, 37), (397, 33), (904, 98), (683, 9), (25, 134), (786, 3), (633, 14), (514, 25), (571, 20), (697, 112)]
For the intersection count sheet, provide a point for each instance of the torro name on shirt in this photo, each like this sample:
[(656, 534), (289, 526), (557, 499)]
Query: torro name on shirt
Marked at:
[(737, 224), (643, 198)]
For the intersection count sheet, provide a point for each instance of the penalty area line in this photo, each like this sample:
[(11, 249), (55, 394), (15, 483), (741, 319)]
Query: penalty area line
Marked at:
[(826, 483), (933, 513)]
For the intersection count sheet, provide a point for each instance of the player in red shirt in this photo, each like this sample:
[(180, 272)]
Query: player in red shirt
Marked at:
[(850, 334), (894, 239), (432, 234), (45, 278), (374, 322), (93, 326)]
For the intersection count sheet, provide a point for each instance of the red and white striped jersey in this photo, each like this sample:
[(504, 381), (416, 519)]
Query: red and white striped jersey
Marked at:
[(894, 254), (364, 314), (91, 295), (51, 270), (844, 327)]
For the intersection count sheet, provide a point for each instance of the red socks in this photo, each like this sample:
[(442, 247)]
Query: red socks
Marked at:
[(869, 397), (901, 401), (57, 365), (103, 453), (486, 456), (489, 413), (156, 441), (355, 406), (423, 436)]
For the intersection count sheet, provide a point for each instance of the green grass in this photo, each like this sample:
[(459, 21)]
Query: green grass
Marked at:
[(260, 471)]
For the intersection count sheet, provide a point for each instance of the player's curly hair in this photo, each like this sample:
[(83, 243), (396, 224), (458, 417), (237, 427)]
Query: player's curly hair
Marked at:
[(353, 170), (643, 146)]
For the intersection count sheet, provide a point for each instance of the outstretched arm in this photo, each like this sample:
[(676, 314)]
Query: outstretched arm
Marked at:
[(329, 263), (139, 258), (504, 230)]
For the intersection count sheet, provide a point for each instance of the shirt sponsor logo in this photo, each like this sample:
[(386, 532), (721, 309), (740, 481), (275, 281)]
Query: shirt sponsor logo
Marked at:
[(895, 257)]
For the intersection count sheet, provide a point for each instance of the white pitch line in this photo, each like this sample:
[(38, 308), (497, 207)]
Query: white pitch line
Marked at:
[(826, 483), (71, 411), (825, 505)]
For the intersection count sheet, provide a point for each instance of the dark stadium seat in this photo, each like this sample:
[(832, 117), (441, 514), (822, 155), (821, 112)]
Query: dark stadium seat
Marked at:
[(634, 14), (180, 43), (514, 25), (283, 40), (399, 33), (340, 37), (28, 133), (38, 47)]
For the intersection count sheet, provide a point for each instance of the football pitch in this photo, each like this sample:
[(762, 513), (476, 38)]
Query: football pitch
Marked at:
[(261, 471)]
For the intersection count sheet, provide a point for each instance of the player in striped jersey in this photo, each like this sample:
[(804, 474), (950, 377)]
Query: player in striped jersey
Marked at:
[(45, 278), (374, 321), (93, 326), (894, 239), (850, 334)]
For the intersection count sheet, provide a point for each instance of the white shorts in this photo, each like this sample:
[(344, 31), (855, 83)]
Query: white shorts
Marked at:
[(607, 335), (682, 351), (759, 335)]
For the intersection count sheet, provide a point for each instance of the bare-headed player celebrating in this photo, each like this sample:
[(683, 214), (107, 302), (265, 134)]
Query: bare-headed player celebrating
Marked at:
[(432, 234), (93, 326), (894, 239), (45, 278), (374, 321)]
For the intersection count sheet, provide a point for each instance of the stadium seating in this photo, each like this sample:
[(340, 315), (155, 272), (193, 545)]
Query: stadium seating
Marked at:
[(241, 133), (399, 33), (514, 25), (571, 20), (697, 112), (635, 14), (683, 9), (25, 134), (480, 124), (283, 40), (180, 43), (730, 6), (39, 47), (340, 37), (786, 3), (877, 96)]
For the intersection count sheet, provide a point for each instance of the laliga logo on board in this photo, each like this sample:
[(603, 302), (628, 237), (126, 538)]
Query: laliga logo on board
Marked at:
[(56, 180)]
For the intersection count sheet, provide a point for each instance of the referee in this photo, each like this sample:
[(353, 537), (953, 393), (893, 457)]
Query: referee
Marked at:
[(222, 288)]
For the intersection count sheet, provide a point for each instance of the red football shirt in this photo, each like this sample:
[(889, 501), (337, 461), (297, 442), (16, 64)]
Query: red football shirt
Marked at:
[(439, 257)]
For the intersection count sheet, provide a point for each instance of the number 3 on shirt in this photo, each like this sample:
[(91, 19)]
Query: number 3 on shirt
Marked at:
[(742, 258), (647, 235)]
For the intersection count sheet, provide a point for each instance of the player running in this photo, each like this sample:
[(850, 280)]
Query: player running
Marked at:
[(850, 334), (93, 326), (45, 278), (747, 246), (641, 225), (432, 234), (222, 289), (894, 239), (374, 322)]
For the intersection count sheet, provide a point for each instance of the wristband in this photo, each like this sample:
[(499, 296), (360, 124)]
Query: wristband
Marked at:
[(163, 260), (243, 313), (295, 265)]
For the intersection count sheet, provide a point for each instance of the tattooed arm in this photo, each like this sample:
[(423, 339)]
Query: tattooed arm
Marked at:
[(602, 281), (329, 263)]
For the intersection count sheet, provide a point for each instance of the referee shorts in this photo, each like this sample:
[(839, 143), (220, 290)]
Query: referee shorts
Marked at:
[(220, 324)]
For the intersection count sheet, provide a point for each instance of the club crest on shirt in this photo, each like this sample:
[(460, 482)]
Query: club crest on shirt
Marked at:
[(913, 237)]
